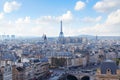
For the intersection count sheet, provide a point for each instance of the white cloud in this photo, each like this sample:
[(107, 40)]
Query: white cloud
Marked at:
[(98, 29), (46, 24), (114, 18), (107, 5), (50, 25), (1, 16), (111, 27), (35, 27), (23, 20), (11, 6), (79, 5), (46, 20), (91, 20), (66, 17)]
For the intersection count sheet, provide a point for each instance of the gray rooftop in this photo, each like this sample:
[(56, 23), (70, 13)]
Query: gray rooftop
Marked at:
[(108, 64)]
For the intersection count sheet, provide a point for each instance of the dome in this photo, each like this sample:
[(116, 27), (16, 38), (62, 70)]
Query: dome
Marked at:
[(110, 66)]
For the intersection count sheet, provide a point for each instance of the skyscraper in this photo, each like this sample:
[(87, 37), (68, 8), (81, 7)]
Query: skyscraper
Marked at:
[(61, 35)]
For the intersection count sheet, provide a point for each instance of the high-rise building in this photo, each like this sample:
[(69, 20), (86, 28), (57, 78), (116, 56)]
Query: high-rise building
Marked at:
[(12, 36), (61, 35)]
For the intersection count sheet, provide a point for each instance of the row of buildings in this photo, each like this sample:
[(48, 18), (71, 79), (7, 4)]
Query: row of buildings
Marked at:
[(108, 70), (7, 37), (29, 69)]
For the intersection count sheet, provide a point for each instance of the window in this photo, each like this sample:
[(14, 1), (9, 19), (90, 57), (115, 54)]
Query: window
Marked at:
[(108, 71)]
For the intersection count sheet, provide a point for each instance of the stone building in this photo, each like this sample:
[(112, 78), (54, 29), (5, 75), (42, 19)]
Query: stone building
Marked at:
[(28, 68), (40, 67), (18, 73), (63, 59), (1, 75), (6, 72), (108, 71)]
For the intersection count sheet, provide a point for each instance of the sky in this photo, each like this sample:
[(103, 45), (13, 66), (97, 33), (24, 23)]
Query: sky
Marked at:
[(79, 17)]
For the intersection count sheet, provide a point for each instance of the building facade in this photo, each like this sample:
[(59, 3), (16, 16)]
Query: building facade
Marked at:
[(108, 71)]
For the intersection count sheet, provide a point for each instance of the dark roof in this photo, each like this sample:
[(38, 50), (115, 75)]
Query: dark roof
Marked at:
[(34, 60), (8, 56), (108, 64), (67, 54), (26, 64), (20, 68), (44, 60)]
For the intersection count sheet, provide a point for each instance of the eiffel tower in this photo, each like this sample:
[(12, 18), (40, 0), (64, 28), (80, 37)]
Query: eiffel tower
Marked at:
[(61, 35)]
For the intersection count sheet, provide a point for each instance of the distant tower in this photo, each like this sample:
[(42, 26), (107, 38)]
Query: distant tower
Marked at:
[(45, 38), (96, 38), (12, 36), (61, 35)]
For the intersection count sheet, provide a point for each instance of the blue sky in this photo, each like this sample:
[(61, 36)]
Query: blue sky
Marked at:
[(38, 17)]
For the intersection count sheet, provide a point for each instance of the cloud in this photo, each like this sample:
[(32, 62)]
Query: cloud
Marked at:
[(25, 26), (113, 18), (45, 20), (79, 5), (1, 16), (11, 6), (98, 29), (66, 17), (23, 20), (107, 5), (111, 27), (50, 25), (91, 20)]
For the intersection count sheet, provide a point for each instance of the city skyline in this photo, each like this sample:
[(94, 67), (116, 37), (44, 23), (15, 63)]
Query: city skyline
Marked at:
[(79, 17)]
